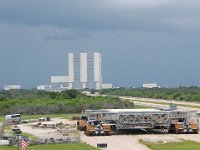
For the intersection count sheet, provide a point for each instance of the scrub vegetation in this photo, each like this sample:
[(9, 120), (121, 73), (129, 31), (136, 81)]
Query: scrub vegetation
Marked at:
[(40, 102), (181, 93)]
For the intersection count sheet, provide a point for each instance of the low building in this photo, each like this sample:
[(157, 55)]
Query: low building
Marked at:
[(106, 85), (53, 88), (12, 87), (150, 85)]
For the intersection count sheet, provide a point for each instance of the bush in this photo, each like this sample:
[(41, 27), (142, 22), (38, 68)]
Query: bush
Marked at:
[(70, 101)]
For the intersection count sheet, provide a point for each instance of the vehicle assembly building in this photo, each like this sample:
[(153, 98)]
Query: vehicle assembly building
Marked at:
[(84, 72)]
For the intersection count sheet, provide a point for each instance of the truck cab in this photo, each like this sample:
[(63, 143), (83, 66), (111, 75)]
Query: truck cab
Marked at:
[(81, 123)]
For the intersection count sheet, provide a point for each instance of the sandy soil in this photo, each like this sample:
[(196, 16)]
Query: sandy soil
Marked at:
[(45, 133), (115, 142)]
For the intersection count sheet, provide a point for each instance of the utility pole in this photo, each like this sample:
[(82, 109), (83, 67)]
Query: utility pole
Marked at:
[(2, 125), (18, 134), (18, 142)]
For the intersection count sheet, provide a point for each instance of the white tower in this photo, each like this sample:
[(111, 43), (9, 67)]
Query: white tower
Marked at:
[(97, 70), (84, 71)]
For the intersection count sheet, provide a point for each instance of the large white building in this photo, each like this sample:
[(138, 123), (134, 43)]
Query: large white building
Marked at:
[(52, 88), (12, 87), (150, 85), (84, 71)]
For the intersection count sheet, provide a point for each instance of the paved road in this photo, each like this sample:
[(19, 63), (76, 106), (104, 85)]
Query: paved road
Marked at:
[(161, 100), (185, 105)]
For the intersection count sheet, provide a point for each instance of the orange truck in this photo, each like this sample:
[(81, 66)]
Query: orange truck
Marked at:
[(97, 128), (81, 123), (102, 121), (184, 127)]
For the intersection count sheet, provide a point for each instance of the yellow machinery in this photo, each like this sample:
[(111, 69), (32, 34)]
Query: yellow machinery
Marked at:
[(181, 127), (174, 120), (81, 123), (97, 128)]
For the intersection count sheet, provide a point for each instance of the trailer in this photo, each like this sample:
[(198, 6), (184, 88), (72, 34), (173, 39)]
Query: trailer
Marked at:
[(13, 118), (175, 121)]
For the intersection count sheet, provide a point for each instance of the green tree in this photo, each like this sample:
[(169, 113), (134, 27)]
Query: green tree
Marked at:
[(70, 94)]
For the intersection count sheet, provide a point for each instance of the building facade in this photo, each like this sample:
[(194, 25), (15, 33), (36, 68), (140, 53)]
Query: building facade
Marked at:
[(12, 87), (150, 85), (53, 87), (84, 71)]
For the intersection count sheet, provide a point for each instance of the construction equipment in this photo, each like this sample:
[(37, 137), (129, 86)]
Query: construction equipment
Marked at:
[(175, 121), (182, 126), (97, 128), (81, 123)]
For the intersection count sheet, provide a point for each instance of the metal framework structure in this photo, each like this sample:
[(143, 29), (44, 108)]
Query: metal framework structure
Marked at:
[(137, 118)]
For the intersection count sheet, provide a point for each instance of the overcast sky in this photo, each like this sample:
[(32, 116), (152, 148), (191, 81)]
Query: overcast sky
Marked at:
[(140, 40)]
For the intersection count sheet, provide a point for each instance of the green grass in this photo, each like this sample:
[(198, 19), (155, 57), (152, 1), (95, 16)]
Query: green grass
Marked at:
[(30, 136), (64, 116), (25, 117), (54, 147), (2, 118), (185, 145), (140, 107)]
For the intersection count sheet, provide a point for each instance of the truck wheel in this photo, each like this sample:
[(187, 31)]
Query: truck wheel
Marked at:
[(179, 131), (86, 133), (195, 131)]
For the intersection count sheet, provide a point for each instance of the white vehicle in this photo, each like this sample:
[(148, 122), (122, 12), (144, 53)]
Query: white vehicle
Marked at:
[(13, 118)]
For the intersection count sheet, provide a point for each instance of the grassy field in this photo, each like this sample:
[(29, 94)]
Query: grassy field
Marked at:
[(185, 145), (2, 118), (64, 116), (54, 147), (141, 107), (24, 117)]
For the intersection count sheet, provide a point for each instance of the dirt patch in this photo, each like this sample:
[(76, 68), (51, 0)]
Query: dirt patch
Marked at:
[(46, 133)]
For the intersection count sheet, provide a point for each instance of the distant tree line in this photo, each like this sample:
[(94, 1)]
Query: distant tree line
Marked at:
[(180, 93), (42, 102)]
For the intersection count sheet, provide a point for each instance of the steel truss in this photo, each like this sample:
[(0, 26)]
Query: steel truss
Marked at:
[(133, 118)]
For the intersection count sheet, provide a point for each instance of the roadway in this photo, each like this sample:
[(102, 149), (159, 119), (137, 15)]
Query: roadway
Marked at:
[(160, 103)]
